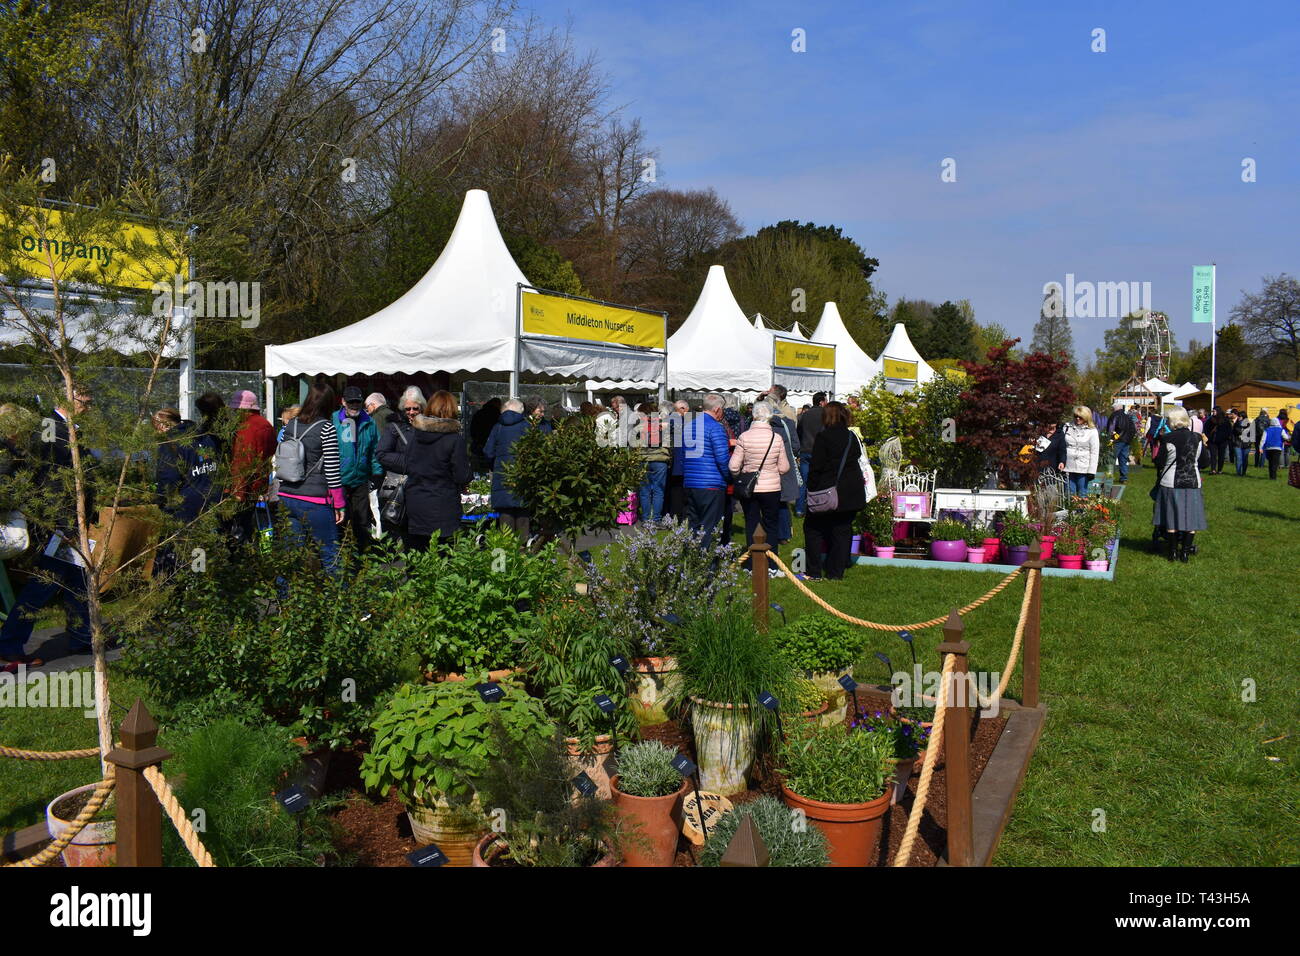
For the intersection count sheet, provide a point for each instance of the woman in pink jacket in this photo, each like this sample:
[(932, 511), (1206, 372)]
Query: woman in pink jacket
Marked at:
[(761, 451)]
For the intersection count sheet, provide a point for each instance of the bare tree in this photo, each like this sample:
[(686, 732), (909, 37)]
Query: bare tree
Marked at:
[(1271, 319)]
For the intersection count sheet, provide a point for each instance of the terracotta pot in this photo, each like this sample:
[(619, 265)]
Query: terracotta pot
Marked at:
[(818, 713), (1096, 565), (852, 829), (1071, 561), (884, 552), (597, 763), (433, 823), (975, 555), (992, 550), (654, 822), (948, 550), (484, 853), (656, 679), (902, 773), (451, 676), (96, 844), (724, 745)]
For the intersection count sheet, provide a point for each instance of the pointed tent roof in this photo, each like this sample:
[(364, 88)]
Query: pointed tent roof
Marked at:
[(717, 347), (760, 323), (1159, 387), (1182, 391), (459, 317), (900, 347), (854, 368)]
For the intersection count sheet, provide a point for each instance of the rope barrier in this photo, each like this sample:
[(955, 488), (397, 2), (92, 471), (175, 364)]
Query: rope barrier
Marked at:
[(862, 622), (19, 754), (163, 790), (92, 807), (927, 770)]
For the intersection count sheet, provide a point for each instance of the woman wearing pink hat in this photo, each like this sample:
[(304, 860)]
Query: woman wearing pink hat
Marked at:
[(251, 453)]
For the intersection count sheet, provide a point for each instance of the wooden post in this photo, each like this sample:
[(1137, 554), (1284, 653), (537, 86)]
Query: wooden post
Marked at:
[(139, 815), (1029, 697), (956, 745), (758, 574)]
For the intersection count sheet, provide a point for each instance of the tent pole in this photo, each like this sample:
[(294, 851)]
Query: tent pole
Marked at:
[(514, 371)]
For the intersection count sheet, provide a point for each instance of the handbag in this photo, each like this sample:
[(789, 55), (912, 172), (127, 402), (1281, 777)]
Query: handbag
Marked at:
[(828, 499), (392, 492), (746, 481), (1293, 475)]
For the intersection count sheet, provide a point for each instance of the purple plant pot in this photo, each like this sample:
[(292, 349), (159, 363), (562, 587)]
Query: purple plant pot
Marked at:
[(1016, 554), (948, 550)]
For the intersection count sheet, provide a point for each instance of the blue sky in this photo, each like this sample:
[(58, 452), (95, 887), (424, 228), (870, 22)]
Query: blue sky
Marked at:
[(1115, 166)]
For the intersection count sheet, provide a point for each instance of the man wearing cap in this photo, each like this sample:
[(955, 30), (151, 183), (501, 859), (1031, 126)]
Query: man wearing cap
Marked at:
[(358, 466), (250, 458)]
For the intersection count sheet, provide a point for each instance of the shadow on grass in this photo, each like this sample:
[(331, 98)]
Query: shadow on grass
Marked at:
[(1267, 514)]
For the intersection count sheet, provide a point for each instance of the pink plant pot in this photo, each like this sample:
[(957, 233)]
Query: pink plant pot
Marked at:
[(1049, 541), (884, 552), (948, 550), (1096, 565), (992, 549), (975, 555), (1070, 562)]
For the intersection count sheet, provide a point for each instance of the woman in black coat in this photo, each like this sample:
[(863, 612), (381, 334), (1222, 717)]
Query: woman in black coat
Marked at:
[(437, 468), (835, 456)]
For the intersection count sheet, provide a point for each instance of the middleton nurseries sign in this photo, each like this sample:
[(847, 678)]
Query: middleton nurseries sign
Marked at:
[(558, 315), (791, 354)]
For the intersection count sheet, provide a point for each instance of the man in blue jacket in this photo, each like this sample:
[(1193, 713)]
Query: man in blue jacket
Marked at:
[(704, 455), (358, 466)]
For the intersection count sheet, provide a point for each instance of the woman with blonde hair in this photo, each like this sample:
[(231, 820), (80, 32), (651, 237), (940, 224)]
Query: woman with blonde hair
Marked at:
[(1179, 507), (1082, 447)]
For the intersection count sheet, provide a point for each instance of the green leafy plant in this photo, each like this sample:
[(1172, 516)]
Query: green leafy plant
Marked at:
[(1016, 531), (948, 529), (529, 780), (905, 739), (976, 532), (567, 659), (468, 606), (819, 642), (230, 769), (808, 697), (835, 765), (786, 846), (877, 520), (436, 739), (723, 659), (569, 481), (657, 569), (645, 769)]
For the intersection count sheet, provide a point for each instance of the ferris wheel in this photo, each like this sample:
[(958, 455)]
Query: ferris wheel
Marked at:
[(1153, 360)]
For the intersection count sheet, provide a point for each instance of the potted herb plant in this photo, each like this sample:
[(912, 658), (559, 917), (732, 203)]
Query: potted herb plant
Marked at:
[(822, 649), (431, 743), (976, 532), (1069, 546), (647, 792), (1016, 537), (786, 845), (841, 780), (1097, 544), (880, 523), (907, 740), (948, 540), (541, 819), (725, 666), (810, 701)]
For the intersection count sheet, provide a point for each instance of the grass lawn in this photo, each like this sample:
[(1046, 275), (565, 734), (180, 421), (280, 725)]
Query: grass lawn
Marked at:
[(1142, 677), (1143, 680)]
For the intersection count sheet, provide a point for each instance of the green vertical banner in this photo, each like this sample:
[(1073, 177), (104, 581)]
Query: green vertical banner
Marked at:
[(1202, 293)]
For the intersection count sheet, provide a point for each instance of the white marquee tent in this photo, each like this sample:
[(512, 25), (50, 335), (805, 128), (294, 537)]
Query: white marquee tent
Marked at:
[(716, 347), (760, 323), (854, 368), (900, 349)]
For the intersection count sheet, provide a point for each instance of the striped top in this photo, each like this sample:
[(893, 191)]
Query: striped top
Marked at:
[(328, 458)]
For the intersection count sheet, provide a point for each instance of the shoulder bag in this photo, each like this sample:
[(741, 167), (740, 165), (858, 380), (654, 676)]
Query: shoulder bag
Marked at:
[(747, 480), (828, 499)]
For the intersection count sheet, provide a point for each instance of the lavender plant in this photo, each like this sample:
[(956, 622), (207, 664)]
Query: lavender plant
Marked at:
[(658, 569)]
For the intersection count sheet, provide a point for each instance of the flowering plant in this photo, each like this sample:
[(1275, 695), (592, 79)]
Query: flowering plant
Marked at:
[(1099, 535), (906, 740), (655, 570)]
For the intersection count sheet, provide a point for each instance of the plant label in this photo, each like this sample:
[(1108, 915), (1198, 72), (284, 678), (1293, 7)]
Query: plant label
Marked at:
[(584, 557), (523, 605), (585, 785), (848, 683), (619, 663), (604, 702), (670, 618), (491, 692), (294, 799), (905, 636), (427, 856), (683, 765), (768, 701)]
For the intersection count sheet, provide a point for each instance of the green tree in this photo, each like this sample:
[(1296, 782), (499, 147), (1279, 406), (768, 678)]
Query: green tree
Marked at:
[(1052, 335), (952, 335)]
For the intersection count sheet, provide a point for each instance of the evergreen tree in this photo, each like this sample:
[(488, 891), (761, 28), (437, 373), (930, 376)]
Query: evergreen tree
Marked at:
[(1052, 334)]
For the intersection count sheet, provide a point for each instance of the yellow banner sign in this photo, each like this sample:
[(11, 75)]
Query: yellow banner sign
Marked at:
[(1273, 406), (789, 354), (899, 370), (544, 314), (128, 255)]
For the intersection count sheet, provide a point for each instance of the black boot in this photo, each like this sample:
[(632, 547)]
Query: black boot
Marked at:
[(1171, 545), (1191, 542), (1184, 546), (1155, 539)]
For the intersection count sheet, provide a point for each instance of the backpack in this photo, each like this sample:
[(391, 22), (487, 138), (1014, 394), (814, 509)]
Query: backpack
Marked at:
[(291, 456)]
